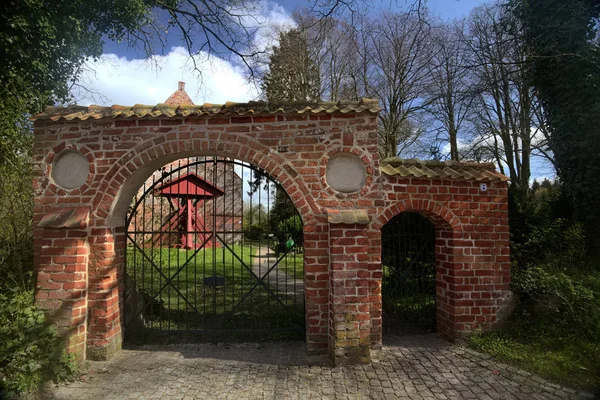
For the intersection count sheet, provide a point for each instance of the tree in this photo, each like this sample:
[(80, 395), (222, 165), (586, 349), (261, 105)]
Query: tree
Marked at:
[(563, 40), (293, 75), (393, 53), (503, 115), (332, 51), (450, 102)]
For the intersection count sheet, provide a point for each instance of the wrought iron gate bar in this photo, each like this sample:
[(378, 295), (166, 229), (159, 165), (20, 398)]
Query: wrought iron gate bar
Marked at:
[(408, 286), (201, 226), (258, 280), (170, 280), (158, 270)]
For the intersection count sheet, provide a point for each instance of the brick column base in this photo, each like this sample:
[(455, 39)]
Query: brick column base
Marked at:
[(62, 285), (349, 318)]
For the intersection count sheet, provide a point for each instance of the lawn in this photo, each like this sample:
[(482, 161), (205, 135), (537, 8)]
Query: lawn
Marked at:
[(234, 307), (539, 348), (555, 337)]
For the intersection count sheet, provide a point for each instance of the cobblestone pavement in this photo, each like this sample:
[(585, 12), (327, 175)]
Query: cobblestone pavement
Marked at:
[(409, 367)]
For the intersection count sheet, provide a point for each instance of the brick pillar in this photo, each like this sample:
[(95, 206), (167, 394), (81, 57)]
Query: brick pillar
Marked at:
[(62, 254), (316, 286), (349, 317), (107, 246), (448, 274)]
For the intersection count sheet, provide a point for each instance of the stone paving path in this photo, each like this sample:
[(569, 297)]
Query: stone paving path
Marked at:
[(277, 279), (410, 367)]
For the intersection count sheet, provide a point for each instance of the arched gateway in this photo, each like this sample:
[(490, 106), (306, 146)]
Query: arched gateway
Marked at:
[(92, 161)]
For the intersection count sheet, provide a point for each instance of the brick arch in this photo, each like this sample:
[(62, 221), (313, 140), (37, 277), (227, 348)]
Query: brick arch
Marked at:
[(132, 169), (110, 204), (448, 229), (439, 214)]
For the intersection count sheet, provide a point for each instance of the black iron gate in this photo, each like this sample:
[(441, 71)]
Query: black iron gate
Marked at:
[(408, 286), (214, 253)]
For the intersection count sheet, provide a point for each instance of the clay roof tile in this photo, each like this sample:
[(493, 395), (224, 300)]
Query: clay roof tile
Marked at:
[(441, 169)]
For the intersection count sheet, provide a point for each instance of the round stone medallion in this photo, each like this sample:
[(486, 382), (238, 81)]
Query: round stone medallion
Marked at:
[(346, 173), (70, 169)]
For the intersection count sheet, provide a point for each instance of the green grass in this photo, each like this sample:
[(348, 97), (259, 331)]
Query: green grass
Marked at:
[(554, 331), (539, 347), (236, 306)]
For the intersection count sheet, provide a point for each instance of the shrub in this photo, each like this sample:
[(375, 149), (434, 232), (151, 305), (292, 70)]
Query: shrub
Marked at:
[(557, 245), (30, 350), (571, 304), (254, 232)]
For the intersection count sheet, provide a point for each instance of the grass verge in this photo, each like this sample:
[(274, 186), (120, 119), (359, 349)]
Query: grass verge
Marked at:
[(539, 347)]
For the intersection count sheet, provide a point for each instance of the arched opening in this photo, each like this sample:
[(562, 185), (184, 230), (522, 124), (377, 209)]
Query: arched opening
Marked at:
[(214, 253), (408, 287)]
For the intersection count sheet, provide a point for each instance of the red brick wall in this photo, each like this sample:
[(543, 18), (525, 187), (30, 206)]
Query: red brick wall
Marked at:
[(342, 280), (472, 248)]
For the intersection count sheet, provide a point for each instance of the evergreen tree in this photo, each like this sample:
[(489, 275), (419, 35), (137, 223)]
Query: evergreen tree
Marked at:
[(566, 72), (293, 75)]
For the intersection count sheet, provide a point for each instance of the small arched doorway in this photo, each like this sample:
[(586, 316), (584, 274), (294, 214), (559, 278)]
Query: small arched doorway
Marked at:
[(409, 274), (214, 253)]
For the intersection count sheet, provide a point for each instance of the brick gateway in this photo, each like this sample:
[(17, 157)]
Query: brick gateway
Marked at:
[(90, 162)]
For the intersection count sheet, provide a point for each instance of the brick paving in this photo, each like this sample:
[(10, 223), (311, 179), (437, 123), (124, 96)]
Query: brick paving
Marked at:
[(408, 367)]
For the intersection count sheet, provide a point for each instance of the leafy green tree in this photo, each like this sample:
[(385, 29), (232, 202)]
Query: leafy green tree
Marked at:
[(293, 75), (566, 73)]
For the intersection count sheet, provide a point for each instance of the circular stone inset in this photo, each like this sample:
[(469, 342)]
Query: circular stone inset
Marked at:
[(346, 173), (70, 169)]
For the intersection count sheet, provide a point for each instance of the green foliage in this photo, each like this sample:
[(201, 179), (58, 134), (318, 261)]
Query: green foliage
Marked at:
[(43, 44), (16, 205), (549, 262), (30, 350), (293, 74), (555, 296), (555, 331), (557, 245), (255, 221), (290, 227), (538, 347), (566, 73), (283, 210), (542, 227)]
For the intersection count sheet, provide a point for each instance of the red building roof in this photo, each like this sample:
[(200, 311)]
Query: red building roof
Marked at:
[(189, 185), (179, 97)]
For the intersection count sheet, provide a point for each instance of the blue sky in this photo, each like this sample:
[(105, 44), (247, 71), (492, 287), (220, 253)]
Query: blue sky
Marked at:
[(445, 9), (450, 9), (123, 76)]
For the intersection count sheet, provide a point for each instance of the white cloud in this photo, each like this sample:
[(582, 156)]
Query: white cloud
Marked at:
[(272, 19), (118, 80)]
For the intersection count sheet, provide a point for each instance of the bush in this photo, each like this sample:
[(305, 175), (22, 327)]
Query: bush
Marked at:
[(30, 350), (16, 239), (571, 304), (557, 245), (255, 232)]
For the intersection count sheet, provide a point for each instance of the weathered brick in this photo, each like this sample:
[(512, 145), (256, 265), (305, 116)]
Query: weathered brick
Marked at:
[(342, 262)]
